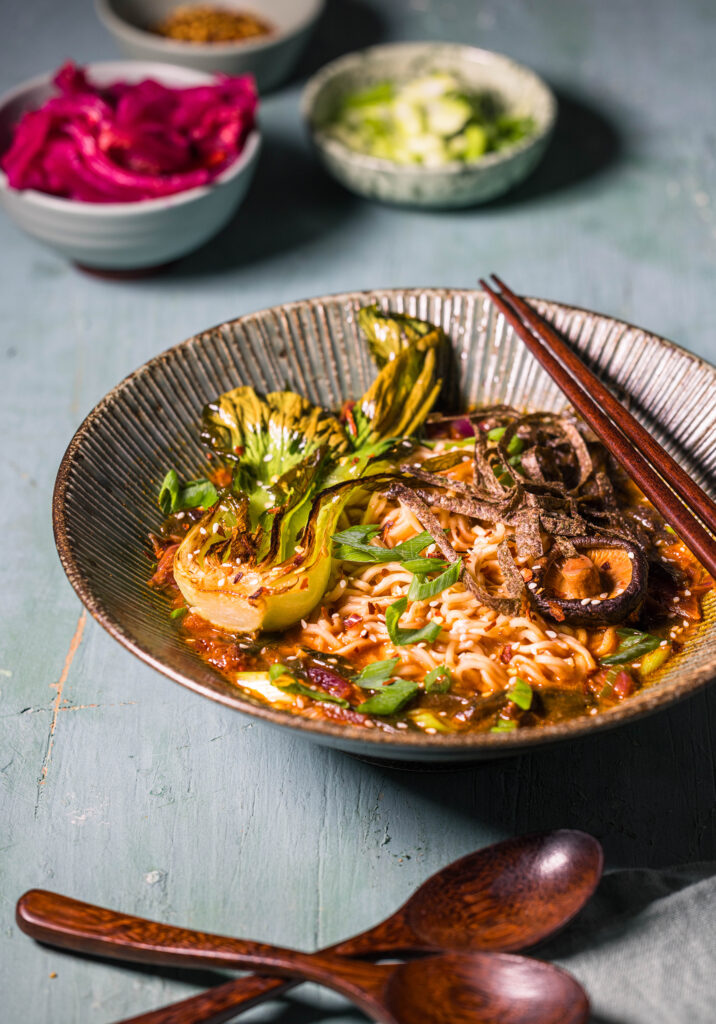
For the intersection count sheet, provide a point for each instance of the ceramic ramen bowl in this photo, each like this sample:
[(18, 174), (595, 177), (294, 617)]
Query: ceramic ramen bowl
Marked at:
[(149, 422)]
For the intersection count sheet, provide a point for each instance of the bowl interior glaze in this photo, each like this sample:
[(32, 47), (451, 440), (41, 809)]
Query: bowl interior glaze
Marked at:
[(105, 496)]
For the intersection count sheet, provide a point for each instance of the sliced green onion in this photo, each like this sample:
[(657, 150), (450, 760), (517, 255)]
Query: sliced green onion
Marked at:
[(504, 725), (178, 613), (306, 691), (520, 693), (425, 719), (654, 660), (277, 670)]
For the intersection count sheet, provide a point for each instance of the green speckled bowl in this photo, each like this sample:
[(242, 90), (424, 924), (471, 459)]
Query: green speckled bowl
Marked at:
[(105, 497), (455, 184)]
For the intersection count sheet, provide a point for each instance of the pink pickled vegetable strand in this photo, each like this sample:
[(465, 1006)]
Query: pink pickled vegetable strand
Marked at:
[(123, 142)]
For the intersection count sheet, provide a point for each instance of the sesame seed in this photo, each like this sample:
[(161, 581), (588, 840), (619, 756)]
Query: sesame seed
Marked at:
[(179, 515), (202, 531), (604, 596), (215, 528), (532, 586), (595, 600), (402, 725), (687, 593), (267, 458), (686, 623), (221, 582), (585, 600), (631, 555), (664, 643), (550, 633), (431, 731), (303, 623)]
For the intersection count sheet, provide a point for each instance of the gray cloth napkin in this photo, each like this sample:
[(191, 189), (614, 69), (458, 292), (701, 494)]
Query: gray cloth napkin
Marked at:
[(644, 948)]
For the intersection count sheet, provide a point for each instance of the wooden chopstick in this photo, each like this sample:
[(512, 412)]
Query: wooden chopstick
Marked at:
[(538, 339), (678, 479)]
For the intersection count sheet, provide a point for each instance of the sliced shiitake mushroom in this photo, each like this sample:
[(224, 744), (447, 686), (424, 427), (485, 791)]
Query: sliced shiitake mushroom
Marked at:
[(601, 581)]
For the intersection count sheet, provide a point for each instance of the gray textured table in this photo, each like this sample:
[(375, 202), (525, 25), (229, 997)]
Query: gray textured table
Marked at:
[(120, 787)]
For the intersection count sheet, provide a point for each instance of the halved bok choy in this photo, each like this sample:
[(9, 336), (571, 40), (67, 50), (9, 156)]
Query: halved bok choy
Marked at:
[(260, 557)]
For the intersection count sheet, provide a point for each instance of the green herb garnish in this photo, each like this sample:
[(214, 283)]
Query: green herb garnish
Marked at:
[(438, 680), (390, 698), (402, 637), (178, 613), (375, 676), (176, 497), (633, 645), (352, 546), (424, 565), (422, 589)]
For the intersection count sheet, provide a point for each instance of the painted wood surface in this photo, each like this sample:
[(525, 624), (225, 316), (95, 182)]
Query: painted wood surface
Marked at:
[(120, 788)]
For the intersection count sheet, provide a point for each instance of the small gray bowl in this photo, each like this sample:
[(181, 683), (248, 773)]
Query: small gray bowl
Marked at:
[(124, 236), (270, 59), (452, 185)]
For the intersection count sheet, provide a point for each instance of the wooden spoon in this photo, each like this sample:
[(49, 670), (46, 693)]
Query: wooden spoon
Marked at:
[(456, 988), (505, 897)]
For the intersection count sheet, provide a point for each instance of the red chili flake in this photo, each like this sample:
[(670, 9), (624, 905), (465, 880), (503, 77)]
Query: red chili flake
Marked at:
[(348, 415), (256, 595), (506, 654), (352, 620), (237, 577), (555, 611), (164, 573), (527, 574), (209, 456)]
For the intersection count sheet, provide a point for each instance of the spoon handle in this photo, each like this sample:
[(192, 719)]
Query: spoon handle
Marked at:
[(86, 928), (225, 1002)]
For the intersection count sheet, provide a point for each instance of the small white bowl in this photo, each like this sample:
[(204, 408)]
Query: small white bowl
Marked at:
[(270, 58), (123, 236), (450, 185)]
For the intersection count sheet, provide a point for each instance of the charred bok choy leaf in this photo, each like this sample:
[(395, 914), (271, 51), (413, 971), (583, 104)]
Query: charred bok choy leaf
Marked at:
[(261, 557)]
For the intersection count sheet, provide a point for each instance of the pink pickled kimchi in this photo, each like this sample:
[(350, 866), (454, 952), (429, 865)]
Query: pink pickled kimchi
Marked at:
[(126, 142)]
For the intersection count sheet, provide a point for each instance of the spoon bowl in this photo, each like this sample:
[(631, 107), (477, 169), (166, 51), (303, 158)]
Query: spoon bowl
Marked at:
[(507, 897), (482, 988)]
